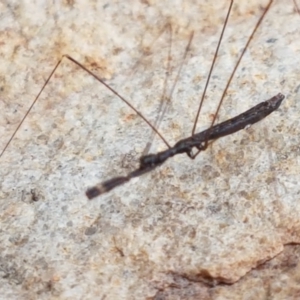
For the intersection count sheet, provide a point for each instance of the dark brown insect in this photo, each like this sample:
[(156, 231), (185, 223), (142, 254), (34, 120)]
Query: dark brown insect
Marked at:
[(196, 140), (199, 141)]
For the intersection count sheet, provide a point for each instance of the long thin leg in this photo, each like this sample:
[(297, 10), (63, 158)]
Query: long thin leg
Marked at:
[(98, 79), (234, 70), (165, 102), (296, 7), (211, 69), (30, 108)]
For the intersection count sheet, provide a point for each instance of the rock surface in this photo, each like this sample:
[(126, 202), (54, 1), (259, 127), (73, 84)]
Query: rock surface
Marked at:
[(188, 227)]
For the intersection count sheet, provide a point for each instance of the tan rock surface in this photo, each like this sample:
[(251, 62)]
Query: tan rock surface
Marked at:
[(188, 227)]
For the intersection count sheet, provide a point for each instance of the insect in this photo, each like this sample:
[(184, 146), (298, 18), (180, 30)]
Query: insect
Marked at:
[(78, 134), (142, 169), (199, 141)]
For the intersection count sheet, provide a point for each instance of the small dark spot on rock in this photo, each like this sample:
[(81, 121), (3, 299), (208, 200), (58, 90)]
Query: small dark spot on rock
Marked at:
[(90, 230), (69, 223)]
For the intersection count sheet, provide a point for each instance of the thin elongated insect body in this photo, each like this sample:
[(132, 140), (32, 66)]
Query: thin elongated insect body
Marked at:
[(213, 219), (199, 140)]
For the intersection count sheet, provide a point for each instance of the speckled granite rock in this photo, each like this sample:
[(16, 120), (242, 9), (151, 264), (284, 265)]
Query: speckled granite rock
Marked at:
[(183, 230)]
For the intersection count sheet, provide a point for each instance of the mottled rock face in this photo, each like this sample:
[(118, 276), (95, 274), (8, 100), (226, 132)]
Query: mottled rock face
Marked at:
[(190, 224)]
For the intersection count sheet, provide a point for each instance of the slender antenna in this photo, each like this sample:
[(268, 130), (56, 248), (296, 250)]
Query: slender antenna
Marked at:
[(97, 78), (211, 69)]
